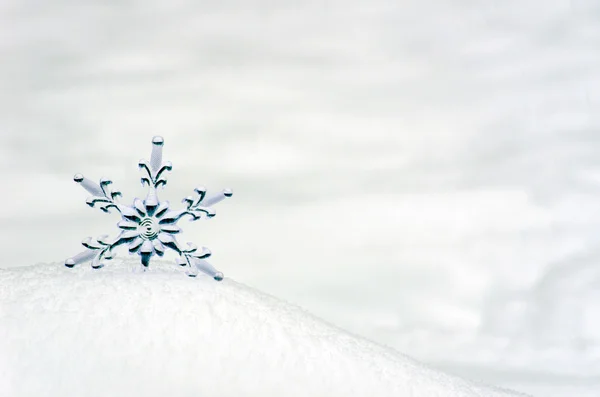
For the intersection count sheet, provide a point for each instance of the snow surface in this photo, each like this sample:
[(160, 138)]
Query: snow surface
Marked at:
[(118, 332)]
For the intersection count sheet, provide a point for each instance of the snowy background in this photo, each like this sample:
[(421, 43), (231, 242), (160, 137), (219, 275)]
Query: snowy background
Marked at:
[(424, 173)]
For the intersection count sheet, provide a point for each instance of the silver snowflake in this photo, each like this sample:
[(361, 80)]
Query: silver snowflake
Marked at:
[(149, 226)]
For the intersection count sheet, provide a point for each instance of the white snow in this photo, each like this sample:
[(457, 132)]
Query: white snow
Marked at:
[(118, 332)]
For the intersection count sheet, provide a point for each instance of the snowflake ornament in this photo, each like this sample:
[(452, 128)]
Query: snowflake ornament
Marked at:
[(149, 226)]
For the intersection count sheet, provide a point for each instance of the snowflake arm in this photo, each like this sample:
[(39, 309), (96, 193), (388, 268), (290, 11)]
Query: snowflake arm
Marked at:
[(102, 194)]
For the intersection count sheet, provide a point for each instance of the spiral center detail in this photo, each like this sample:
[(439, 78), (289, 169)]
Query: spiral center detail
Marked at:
[(148, 229)]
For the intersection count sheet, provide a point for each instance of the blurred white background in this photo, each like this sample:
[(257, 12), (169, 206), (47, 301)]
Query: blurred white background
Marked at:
[(425, 173)]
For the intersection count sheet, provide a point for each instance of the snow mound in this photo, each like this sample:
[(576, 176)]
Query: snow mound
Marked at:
[(121, 332)]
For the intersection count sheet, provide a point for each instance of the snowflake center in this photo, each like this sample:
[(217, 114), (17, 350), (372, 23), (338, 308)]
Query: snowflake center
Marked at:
[(148, 228)]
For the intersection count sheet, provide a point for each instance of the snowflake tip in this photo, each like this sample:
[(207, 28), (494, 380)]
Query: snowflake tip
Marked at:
[(78, 178), (158, 140), (181, 261), (228, 192)]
